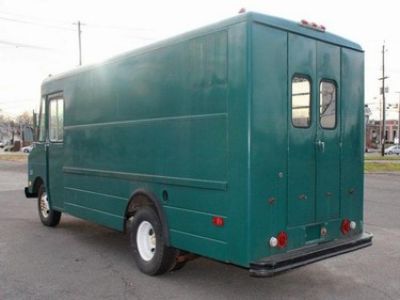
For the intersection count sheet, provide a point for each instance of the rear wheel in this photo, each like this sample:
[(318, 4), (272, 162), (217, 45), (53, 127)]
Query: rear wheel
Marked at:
[(48, 216), (150, 252)]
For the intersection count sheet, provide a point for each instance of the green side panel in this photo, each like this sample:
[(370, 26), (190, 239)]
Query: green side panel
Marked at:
[(37, 163), (268, 138), (173, 138), (328, 157), (196, 223), (100, 217), (200, 245), (192, 147), (55, 175), (183, 79), (111, 204), (301, 159), (238, 144), (352, 95)]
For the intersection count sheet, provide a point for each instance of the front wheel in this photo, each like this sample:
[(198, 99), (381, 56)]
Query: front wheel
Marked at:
[(150, 252), (48, 216)]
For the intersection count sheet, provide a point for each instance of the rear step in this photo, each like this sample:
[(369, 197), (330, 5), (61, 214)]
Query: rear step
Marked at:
[(300, 257)]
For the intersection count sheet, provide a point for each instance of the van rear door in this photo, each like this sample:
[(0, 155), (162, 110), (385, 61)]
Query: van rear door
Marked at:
[(313, 131)]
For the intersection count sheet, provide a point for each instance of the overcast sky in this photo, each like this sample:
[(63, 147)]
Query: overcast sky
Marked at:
[(38, 37)]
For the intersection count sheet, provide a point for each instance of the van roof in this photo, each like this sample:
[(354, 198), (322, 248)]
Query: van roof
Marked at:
[(267, 20), (297, 28)]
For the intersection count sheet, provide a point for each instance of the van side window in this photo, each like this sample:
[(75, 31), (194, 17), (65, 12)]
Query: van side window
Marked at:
[(56, 120), (327, 104), (301, 100), (42, 121)]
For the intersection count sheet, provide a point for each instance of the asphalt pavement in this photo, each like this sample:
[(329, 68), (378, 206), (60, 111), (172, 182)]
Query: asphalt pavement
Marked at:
[(81, 260)]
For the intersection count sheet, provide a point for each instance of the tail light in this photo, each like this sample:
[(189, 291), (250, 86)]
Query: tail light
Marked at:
[(346, 226), (279, 241)]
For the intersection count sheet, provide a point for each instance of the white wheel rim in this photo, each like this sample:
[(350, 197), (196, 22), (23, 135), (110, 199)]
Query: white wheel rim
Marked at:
[(44, 205), (146, 240)]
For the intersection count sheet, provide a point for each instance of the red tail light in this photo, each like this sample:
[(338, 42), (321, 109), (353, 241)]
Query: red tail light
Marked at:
[(345, 227), (282, 238)]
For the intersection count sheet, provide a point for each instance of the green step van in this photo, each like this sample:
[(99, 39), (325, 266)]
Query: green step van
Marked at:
[(241, 141)]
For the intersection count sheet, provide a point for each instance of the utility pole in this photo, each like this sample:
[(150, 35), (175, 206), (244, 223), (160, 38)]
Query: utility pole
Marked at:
[(383, 102), (79, 41), (398, 122)]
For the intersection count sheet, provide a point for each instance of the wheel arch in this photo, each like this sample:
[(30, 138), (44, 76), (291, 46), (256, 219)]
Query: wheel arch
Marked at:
[(143, 197), (36, 184), (35, 188)]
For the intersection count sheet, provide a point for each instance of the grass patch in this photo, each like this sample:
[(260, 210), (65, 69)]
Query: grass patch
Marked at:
[(379, 157), (381, 167), (13, 156)]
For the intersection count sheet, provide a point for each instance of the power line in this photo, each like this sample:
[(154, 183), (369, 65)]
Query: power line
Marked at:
[(119, 28), (23, 45), (92, 25), (41, 19), (34, 23)]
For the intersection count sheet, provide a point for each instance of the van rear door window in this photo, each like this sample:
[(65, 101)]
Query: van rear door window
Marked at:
[(327, 104), (301, 101)]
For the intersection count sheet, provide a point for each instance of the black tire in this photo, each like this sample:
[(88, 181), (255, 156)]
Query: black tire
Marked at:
[(48, 217), (162, 258)]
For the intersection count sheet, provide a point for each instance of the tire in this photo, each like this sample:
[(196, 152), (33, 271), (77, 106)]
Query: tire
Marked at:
[(47, 215), (151, 254)]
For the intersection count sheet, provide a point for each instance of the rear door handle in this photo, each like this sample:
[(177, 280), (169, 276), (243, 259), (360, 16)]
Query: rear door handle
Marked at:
[(321, 145)]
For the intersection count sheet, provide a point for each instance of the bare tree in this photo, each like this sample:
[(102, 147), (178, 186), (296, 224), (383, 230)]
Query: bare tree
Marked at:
[(25, 118)]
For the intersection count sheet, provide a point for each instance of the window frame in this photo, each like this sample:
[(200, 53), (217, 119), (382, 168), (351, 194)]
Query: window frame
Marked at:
[(55, 97), (42, 120), (308, 78), (333, 82)]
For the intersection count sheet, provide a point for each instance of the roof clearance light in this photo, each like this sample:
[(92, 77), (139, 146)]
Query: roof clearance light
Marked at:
[(312, 25), (304, 22)]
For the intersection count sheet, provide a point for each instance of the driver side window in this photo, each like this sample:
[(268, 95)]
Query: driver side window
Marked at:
[(56, 119)]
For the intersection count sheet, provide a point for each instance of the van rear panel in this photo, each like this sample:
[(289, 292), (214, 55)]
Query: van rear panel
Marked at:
[(306, 147)]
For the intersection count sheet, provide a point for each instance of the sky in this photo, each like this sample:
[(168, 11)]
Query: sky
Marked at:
[(39, 37)]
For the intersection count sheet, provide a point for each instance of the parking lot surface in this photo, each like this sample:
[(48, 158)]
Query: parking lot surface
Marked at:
[(81, 260)]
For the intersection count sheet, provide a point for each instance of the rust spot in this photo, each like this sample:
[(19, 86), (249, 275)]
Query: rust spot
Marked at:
[(303, 197), (271, 200)]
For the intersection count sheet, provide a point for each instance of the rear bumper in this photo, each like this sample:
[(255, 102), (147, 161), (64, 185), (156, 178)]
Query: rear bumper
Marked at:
[(294, 259), (29, 194)]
